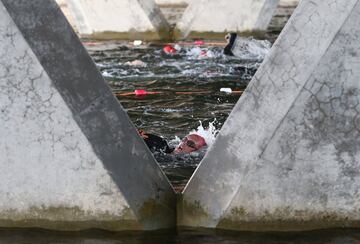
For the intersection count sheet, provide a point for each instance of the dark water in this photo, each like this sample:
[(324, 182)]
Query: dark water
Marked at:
[(189, 82), (182, 237)]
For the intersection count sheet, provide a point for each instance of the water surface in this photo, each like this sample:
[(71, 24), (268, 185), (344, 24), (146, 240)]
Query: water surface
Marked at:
[(336, 236)]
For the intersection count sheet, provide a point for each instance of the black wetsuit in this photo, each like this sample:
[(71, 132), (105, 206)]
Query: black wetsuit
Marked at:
[(157, 143)]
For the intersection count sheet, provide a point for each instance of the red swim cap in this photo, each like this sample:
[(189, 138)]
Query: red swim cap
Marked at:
[(169, 49)]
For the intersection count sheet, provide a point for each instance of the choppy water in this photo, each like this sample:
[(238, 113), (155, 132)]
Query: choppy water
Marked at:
[(172, 114)]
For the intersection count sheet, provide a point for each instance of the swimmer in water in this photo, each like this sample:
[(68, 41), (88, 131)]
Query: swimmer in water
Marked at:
[(190, 143), (230, 39), (239, 47), (168, 49), (155, 143)]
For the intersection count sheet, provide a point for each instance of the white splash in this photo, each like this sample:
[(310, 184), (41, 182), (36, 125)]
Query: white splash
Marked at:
[(250, 48), (175, 142), (107, 74), (200, 53), (136, 63), (209, 134), (259, 48), (194, 52)]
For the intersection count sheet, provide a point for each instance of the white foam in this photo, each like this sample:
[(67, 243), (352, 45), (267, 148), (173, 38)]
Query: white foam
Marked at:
[(209, 134), (249, 48), (175, 142)]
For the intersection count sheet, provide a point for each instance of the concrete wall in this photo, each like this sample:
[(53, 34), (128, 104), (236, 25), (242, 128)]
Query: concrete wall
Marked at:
[(288, 2), (134, 19), (94, 19), (281, 16), (204, 17), (140, 19), (173, 2), (71, 158), (288, 157)]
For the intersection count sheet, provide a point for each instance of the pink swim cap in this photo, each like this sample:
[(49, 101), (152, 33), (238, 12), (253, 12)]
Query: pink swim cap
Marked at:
[(190, 144)]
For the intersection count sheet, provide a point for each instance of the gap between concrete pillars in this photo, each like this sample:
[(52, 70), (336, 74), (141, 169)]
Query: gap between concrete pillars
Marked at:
[(265, 15), (157, 18), (79, 17), (288, 156), (127, 190), (214, 18), (119, 19)]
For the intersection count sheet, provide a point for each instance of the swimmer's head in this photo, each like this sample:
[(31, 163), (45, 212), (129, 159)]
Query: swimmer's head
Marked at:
[(230, 39), (227, 37), (190, 144), (168, 49)]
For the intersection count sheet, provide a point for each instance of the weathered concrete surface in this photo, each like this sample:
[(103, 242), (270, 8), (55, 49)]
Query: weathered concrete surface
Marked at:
[(119, 19), (173, 12), (211, 17), (173, 2), (282, 14), (70, 157), (288, 157)]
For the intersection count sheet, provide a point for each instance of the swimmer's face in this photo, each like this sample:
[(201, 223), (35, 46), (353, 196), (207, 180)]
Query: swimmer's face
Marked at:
[(227, 38), (190, 144)]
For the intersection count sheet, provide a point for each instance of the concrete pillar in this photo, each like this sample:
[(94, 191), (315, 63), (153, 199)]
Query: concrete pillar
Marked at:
[(66, 11), (172, 2), (213, 18), (172, 9), (288, 157), (289, 2), (282, 14), (70, 157), (119, 19)]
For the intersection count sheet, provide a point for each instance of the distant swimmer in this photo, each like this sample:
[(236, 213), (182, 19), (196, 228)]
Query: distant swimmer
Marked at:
[(190, 143), (230, 39), (248, 48), (168, 49)]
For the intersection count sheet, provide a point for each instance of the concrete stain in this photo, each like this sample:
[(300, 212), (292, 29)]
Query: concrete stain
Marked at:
[(65, 218), (191, 213), (156, 215), (284, 220), (164, 34)]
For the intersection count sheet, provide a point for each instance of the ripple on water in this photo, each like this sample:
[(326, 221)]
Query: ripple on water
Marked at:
[(186, 236)]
